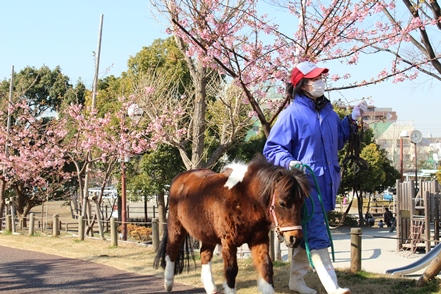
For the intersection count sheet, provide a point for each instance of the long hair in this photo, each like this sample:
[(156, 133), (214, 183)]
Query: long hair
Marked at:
[(298, 88), (291, 91)]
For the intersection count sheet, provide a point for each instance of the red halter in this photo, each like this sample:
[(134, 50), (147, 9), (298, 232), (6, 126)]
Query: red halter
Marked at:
[(278, 229)]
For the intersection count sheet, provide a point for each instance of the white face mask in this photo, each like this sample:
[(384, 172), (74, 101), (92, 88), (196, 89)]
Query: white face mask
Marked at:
[(317, 88)]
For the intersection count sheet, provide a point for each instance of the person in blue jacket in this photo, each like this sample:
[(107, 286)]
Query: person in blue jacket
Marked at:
[(310, 132)]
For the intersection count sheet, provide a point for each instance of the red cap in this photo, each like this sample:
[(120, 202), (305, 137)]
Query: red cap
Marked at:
[(306, 70)]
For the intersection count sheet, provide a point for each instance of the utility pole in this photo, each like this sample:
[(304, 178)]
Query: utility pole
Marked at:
[(94, 89), (8, 127), (97, 63)]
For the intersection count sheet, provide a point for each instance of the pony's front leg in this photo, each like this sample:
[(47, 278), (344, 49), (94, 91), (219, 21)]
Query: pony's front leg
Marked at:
[(264, 266), (206, 275), (229, 253)]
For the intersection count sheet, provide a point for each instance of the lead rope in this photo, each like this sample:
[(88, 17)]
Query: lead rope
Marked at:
[(306, 217), (353, 157)]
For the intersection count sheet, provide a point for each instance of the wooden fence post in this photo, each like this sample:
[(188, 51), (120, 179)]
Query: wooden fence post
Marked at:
[(290, 252), (81, 228), (31, 224), (155, 234), (55, 226), (8, 223), (355, 250), (113, 232)]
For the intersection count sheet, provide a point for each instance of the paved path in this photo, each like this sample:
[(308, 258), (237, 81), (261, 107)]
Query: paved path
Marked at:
[(23, 271), (379, 251)]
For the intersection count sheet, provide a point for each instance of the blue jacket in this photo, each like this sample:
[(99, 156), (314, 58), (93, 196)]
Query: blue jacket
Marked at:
[(312, 137)]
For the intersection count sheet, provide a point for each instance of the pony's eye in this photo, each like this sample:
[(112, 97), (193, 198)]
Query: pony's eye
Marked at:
[(281, 203)]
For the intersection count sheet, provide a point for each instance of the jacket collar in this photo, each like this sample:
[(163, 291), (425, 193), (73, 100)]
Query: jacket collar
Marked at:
[(313, 105)]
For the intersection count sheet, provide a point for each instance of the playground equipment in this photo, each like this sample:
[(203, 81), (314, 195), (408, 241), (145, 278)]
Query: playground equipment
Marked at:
[(417, 215), (417, 211), (417, 265)]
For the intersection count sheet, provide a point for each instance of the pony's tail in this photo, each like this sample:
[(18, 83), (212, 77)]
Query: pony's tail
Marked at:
[(160, 256), (185, 254)]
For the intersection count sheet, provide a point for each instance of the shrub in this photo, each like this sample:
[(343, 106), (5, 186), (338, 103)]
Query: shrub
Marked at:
[(138, 233), (334, 218)]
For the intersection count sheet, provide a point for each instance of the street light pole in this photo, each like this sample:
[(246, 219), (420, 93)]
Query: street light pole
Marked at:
[(123, 201), (401, 159), (416, 171), (134, 112), (403, 134), (416, 137)]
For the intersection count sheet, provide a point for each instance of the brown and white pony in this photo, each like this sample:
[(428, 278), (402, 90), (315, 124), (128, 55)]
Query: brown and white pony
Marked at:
[(237, 206)]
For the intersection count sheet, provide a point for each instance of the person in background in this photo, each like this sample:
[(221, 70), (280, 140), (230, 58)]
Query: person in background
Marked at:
[(388, 217), (310, 132), (369, 219), (380, 224)]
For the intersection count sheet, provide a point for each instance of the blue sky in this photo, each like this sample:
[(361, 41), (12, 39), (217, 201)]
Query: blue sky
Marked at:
[(65, 33)]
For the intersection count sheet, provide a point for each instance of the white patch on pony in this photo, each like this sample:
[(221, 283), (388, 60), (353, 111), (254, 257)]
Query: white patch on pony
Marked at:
[(264, 286), (237, 175), (169, 274), (228, 290), (207, 279)]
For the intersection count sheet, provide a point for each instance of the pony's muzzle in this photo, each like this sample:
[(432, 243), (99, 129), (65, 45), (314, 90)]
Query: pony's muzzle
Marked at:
[(293, 238)]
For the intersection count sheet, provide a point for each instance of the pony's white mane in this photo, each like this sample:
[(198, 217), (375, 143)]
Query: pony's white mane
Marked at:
[(236, 176)]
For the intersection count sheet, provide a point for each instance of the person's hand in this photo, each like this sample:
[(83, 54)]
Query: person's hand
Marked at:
[(294, 164), (359, 109)]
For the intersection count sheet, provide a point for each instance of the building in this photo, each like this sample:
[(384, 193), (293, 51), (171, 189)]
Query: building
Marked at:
[(390, 135)]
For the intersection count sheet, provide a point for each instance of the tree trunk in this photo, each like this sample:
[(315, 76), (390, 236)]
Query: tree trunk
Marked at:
[(198, 136), (199, 75), (431, 271), (2, 200), (99, 218), (162, 212)]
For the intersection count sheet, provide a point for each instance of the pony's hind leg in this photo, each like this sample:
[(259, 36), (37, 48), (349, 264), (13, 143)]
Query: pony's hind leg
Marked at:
[(206, 275), (264, 266), (229, 254)]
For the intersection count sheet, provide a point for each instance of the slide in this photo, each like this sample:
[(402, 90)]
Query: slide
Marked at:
[(417, 265)]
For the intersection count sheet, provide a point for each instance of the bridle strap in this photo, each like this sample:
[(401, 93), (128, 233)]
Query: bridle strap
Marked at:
[(278, 229)]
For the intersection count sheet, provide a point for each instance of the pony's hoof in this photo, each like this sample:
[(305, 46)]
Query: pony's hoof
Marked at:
[(168, 286), (212, 291), (228, 290)]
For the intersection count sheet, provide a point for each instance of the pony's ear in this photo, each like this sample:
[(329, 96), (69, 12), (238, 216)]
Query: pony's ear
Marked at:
[(279, 176)]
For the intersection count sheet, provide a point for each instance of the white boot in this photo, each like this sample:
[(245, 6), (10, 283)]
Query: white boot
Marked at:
[(325, 270), (299, 268)]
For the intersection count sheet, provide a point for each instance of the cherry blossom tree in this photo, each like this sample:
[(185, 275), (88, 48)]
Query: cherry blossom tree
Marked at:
[(100, 144), (33, 160), (29, 136), (241, 41)]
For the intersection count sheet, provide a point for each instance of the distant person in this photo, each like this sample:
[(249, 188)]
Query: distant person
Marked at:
[(380, 224), (369, 219), (388, 217)]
